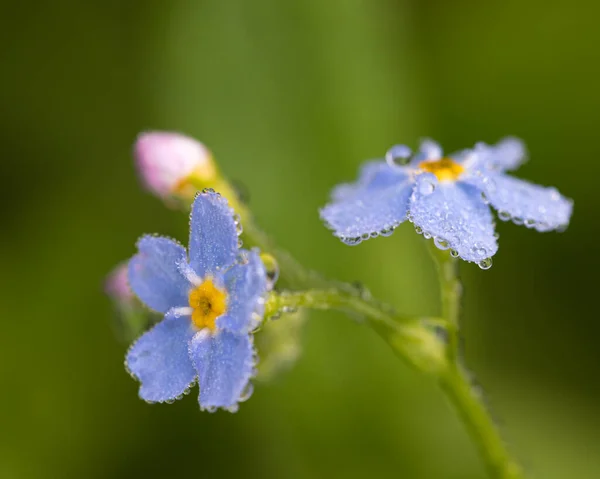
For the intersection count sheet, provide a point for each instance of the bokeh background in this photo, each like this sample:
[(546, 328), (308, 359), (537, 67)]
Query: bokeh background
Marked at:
[(291, 97)]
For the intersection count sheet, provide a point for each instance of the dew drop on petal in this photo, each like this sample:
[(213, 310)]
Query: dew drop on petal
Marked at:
[(426, 188), (426, 235), (504, 215), (479, 250), (490, 184), (238, 224), (440, 243), (418, 230), (351, 241), (398, 155), (485, 263), (387, 231), (246, 392), (454, 253), (242, 257)]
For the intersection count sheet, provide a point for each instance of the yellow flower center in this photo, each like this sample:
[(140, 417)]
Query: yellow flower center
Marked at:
[(208, 303), (445, 169)]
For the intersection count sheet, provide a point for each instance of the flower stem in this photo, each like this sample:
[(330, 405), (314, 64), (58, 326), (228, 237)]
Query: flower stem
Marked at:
[(456, 383), (413, 339)]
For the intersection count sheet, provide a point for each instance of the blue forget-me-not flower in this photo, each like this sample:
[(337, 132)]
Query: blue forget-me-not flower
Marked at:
[(212, 297), (446, 198)]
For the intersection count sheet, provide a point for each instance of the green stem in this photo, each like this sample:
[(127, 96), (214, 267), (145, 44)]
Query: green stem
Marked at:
[(484, 433), (410, 338), (451, 293), (455, 381)]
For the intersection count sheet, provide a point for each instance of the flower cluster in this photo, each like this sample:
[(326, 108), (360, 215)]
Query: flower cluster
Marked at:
[(212, 298), (446, 198)]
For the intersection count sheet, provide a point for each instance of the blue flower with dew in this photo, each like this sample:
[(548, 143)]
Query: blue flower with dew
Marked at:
[(447, 198), (212, 298)]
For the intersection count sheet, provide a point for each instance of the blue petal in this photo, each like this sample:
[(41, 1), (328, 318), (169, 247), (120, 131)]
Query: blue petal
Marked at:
[(159, 359), (225, 364), (246, 284), (454, 213), (374, 175), (154, 274), (377, 203), (507, 154), (213, 236), (535, 206)]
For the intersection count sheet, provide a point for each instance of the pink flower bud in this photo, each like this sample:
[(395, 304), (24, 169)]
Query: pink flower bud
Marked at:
[(117, 285), (167, 161)]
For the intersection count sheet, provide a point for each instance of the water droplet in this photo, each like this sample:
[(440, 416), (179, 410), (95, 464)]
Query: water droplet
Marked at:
[(530, 223), (208, 190), (518, 221), (361, 290), (478, 250), (419, 230), (426, 187), (246, 392), (485, 263), (211, 409), (398, 155), (240, 243), (374, 234), (365, 236), (272, 269), (239, 229), (426, 235), (387, 231), (504, 215), (170, 401), (496, 235), (351, 241), (454, 253), (242, 257), (233, 408), (440, 243), (542, 226), (490, 184), (484, 198)]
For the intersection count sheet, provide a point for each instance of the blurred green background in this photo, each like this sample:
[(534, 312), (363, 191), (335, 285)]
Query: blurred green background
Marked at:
[(291, 97)]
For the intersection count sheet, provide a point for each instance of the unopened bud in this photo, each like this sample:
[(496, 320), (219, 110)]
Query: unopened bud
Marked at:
[(130, 317), (171, 163), (117, 286)]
